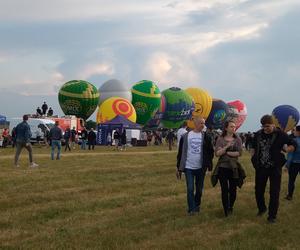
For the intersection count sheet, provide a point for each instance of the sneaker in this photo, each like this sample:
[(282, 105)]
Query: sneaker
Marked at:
[(17, 165), (33, 165), (288, 197), (230, 211), (261, 212)]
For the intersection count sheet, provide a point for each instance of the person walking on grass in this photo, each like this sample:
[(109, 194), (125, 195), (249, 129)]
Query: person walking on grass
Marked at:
[(73, 137), (67, 136), (194, 157), (228, 170), (91, 139), (294, 166), (23, 135), (55, 136), (268, 160)]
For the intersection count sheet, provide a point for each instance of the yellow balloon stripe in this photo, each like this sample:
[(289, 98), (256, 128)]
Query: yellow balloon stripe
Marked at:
[(145, 94), (85, 95)]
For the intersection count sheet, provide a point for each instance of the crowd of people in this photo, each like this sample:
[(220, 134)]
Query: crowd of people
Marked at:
[(196, 150)]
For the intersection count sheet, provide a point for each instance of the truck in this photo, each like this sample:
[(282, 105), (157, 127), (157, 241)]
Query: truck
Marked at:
[(68, 121)]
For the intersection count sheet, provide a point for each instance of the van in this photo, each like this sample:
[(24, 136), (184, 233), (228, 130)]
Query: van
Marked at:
[(38, 126)]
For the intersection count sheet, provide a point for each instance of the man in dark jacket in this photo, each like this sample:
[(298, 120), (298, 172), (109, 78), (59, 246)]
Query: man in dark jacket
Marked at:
[(92, 139), (268, 160), (194, 157), (23, 135), (55, 137), (44, 108), (67, 136)]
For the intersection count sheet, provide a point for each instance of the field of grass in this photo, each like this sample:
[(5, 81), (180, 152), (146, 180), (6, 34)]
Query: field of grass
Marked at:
[(129, 200)]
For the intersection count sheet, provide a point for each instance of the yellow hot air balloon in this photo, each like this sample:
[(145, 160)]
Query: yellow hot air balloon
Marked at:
[(114, 106), (203, 104)]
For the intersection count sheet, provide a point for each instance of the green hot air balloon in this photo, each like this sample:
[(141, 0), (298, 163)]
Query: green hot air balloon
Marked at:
[(179, 107), (146, 100), (78, 98)]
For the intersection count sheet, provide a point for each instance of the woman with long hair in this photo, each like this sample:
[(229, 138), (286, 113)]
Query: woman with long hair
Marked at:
[(228, 170)]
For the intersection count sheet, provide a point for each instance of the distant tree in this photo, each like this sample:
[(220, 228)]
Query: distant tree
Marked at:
[(90, 124)]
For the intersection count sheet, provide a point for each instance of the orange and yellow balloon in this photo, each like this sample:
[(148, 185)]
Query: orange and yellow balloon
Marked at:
[(203, 104), (114, 106)]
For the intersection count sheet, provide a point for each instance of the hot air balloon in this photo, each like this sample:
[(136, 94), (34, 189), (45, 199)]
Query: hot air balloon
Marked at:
[(79, 98), (203, 103), (179, 107), (218, 114), (237, 112), (155, 121), (113, 88), (114, 106), (285, 117), (146, 100)]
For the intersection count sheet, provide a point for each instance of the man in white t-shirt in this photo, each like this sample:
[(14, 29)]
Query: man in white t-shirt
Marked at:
[(180, 133), (195, 154)]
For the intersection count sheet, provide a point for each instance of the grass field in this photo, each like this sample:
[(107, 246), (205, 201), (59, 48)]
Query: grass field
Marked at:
[(129, 200)]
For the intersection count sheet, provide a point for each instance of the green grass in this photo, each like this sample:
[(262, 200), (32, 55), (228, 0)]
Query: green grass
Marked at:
[(128, 200)]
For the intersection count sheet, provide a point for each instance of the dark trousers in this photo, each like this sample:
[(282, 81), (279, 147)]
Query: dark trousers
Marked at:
[(261, 177), (67, 145), (228, 188), (294, 170), (92, 144)]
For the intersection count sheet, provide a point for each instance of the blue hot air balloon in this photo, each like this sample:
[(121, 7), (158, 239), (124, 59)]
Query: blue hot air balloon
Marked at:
[(217, 115), (286, 117)]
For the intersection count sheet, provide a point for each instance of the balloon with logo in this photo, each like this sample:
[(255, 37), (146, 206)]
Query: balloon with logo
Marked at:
[(203, 104), (179, 107), (146, 100), (237, 112), (79, 98), (286, 117), (155, 121), (218, 114), (114, 106), (112, 88)]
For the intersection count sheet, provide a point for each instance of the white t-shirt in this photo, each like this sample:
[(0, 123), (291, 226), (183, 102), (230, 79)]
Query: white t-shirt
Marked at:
[(180, 132), (194, 152)]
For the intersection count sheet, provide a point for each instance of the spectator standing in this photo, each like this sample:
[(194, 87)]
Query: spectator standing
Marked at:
[(55, 137), (92, 139), (84, 135), (67, 137), (44, 108), (73, 137)]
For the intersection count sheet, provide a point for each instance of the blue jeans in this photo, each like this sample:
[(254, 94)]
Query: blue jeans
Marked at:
[(194, 180), (55, 144), (83, 144)]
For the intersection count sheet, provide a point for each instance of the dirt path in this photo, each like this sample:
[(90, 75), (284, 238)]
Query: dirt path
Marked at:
[(43, 155)]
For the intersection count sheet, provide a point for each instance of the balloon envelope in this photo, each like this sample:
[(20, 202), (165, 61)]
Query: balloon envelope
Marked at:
[(237, 112), (286, 117), (114, 106), (113, 88), (218, 114), (203, 104), (155, 121), (146, 100), (79, 98), (179, 107)]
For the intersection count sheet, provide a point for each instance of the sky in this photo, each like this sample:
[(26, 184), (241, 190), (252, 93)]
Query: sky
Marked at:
[(234, 49)]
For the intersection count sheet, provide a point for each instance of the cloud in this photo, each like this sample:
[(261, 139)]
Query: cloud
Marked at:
[(96, 69)]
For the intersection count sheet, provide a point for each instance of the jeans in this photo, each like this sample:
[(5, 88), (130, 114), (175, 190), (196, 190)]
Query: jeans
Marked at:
[(261, 177), (67, 146), (194, 184), (83, 144), (294, 170), (55, 144)]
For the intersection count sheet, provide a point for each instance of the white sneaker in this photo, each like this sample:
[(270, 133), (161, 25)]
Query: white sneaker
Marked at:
[(33, 165), (17, 165)]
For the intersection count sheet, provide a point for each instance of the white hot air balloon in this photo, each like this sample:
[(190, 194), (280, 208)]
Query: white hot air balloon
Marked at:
[(113, 88)]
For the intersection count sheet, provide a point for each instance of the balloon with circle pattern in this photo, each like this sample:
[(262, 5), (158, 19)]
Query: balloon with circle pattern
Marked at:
[(114, 106)]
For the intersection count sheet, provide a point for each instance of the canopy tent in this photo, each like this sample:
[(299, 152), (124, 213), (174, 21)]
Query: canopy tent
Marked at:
[(119, 122)]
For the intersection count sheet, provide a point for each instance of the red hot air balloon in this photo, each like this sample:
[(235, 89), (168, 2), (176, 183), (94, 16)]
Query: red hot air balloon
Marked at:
[(238, 112)]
